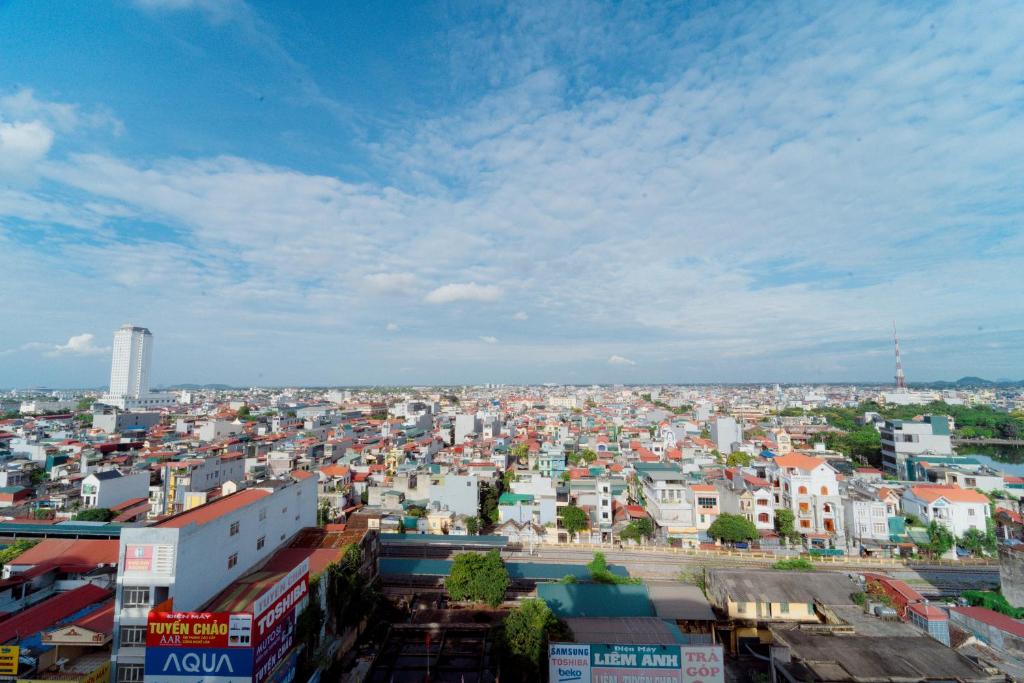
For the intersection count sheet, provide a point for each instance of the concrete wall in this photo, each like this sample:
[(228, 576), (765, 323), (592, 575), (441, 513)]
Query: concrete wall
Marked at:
[(1011, 575)]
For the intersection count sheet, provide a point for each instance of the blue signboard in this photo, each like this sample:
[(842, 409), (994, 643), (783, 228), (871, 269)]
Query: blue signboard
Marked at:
[(198, 665)]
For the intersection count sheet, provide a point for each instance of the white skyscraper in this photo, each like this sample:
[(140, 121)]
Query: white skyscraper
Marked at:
[(129, 370)]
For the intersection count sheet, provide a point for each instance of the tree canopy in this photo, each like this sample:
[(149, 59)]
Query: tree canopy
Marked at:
[(95, 515), (785, 524), (527, 629), (478, 577), (638, 529), (732, 528), (574, 519), (739, 459), (940, 539)]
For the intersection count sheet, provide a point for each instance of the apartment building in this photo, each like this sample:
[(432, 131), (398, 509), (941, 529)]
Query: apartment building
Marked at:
[(750, 496), (902, 439), (956, 508), (807, 486), (188, 558), (666, 491), (194, 475), (110, 488)]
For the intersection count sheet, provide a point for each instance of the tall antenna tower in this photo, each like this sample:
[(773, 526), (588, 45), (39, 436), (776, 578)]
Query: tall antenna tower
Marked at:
[(901, 381)]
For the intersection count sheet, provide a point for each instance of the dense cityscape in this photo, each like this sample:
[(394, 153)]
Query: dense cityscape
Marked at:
[(493, 532), (511, 341)]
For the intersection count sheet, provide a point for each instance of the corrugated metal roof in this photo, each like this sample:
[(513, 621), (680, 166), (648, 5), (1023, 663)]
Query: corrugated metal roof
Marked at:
[(596, 600)]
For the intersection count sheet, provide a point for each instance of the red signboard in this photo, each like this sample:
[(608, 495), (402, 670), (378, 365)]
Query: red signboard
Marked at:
[(199, 629)]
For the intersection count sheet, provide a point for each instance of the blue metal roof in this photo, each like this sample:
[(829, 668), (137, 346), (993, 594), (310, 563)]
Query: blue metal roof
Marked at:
[(445, 539), (532, 571), (596, 600), (63, 530)]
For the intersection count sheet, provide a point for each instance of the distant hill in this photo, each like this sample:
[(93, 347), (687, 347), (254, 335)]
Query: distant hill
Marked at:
[(971, 382), (194, 387)]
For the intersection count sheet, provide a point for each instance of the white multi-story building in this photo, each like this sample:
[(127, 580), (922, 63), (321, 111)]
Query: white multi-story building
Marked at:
[(666, 492), (109, 488), (750, 496), (808, 486), (955, 508), (867, 515), (191, 557), (725, 432), (129, 371), (902, 439)]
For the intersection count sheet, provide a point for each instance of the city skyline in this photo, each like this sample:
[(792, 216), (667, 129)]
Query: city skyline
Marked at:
[(570, 193)]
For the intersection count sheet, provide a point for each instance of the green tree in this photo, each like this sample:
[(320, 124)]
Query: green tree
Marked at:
[(478, 577), (13, 550), (472, 525), (323, 513), (521, 452), (637, 529), (243, 413), (800, 564), (785, 524), (980, 542), (739, 459), (940, 539), (95, 515), (574, 519), (527, 629), (489, 496), (732, 528), (587, 455), (599, 572)]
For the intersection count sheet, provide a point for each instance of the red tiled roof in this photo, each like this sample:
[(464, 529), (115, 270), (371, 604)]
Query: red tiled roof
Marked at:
[(45, 614), (953, 494), (99, 621), (987, 616), (215, 510), (91, 552), (929, 612)]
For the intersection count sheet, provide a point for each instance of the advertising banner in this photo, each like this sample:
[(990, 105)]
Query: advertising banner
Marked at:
[(199, 630), (568, 663), (138, 558), (9, 660), (209, 665), (607, 663), (636, 663), (703, 664), (273, 648), (281, 600)]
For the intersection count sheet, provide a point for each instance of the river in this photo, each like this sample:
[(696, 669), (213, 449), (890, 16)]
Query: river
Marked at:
[(1008, 459)]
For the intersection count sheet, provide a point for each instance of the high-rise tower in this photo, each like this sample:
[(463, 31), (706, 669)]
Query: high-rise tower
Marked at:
[(901, 381), (129, 368), (129, 372)]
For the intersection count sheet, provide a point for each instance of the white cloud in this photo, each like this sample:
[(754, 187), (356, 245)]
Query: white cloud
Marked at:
[(77, 345), (81, 345), (392, 327), (521, 315), (489, 340), (391, 283), (23, 144), (616, 359), (469, 291)]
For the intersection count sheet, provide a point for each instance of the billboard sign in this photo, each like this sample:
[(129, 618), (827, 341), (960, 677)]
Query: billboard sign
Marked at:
[(280, 600), (609, 663), (9, 659), (627, 663), (703, 664), (138, 558), (192, 665), (568, 663), (199, 630)]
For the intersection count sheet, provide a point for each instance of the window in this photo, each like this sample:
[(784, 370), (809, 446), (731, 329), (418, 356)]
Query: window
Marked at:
[(970, 512), (970, 482), (263, 514), (232, 560), (260, 542), (784, 607), (824, 490), (129, 673), (763, 518), (802, 491), (133, 636), (741, 607), (805, 524), (234, 528), (707, 502), (763, 502), (135, 596)]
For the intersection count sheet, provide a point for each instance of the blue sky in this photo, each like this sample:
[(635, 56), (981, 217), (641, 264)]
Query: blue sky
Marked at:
[(350, 193)]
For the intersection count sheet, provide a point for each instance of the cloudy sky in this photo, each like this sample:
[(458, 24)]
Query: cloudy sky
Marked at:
[(348, 193)]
